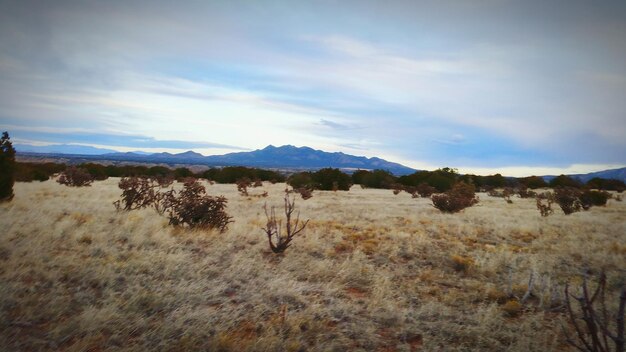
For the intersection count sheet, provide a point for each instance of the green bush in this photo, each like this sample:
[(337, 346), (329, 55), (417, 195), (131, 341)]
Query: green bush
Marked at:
[(329, 179)]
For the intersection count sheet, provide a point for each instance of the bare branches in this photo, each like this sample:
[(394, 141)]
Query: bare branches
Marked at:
[(278, 241), (594, 334)]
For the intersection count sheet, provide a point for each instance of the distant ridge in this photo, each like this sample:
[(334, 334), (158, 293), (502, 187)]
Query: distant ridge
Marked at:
[(284, 157), (617, 174)]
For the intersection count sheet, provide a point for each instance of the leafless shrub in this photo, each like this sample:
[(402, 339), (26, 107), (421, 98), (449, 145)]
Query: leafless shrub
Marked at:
[(461, 196), (544, 205), (278, 240), (242, 185), (568, 199), (75, 177), (396, 188), (596, 329), (192, 207), (257, 183)]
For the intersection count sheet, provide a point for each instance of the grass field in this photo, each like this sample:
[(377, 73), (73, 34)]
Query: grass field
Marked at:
[(373, 272)]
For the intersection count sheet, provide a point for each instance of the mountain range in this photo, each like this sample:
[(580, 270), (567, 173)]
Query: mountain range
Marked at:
[(271, 157), (284, 157)]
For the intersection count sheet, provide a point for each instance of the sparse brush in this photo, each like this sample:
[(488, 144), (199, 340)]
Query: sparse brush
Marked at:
[(75, 177), (278, 240), (461, 196)]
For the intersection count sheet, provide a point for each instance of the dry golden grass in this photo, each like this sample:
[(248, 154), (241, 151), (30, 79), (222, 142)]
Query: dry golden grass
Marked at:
[(373, 272)]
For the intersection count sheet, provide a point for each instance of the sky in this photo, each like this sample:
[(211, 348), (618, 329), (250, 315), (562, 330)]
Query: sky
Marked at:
[(485, 86)]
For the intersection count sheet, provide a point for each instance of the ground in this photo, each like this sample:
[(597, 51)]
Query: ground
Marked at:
[(372, 271)]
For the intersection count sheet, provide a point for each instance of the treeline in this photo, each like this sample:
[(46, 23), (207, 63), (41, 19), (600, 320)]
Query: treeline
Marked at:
[(28, 172), (441, 180)]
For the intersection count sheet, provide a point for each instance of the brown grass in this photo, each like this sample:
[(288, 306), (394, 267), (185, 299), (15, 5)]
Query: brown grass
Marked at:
[(372, 272)]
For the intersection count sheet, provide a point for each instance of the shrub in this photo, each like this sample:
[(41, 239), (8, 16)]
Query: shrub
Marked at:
[(141, 192), (461, 196), (524, 192), (329, 179), (544, 204), (425, 190), (593, 328), (75, 177), (278, 240), (7, 168), (301, 180), (533, 182), (606, 184), (304, 192), (590, 198), (568, 199), (242, 185), (373, 179), (194, 208), (564, 181)]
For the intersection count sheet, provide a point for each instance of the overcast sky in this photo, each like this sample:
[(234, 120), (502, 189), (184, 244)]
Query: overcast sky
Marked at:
[(518, 87)]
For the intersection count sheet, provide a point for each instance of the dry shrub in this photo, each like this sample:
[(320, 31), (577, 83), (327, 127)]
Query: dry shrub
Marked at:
[(305, 192), (278, 240), (524, 192), (512, 308), (141, 192), (461, 196), (242, 185), (192, 207), (412, 190), (568, 199), (544, 205), (594, 329), (396, 188), (461, 263), (75, 177)]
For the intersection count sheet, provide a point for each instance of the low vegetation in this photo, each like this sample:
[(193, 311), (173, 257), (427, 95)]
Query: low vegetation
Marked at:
[(371, 271)]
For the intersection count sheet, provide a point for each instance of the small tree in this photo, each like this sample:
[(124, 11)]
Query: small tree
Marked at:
[(278, 240), (7, 168)]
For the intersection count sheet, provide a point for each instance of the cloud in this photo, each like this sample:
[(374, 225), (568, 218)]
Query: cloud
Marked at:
[(523, 84), (104, 139)]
